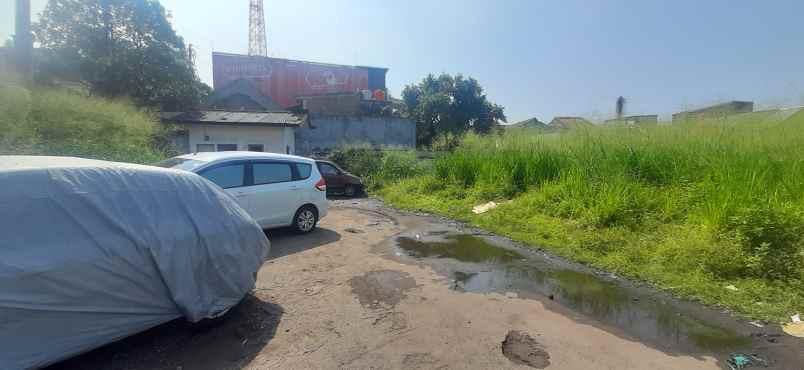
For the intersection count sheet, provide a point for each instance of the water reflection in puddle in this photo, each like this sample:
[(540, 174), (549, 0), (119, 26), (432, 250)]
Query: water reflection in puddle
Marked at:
[(483, 267)]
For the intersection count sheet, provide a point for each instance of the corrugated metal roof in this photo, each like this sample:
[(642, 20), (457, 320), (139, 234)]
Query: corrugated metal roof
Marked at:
[(236, 118)]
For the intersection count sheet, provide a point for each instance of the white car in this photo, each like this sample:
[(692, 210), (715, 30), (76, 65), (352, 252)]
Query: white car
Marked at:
[(277, 190)]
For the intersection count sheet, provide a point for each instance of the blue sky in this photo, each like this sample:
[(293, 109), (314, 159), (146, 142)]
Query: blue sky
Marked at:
[(536, 58)]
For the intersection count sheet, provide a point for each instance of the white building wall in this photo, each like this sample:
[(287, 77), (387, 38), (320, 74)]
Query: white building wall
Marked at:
[(273, 139)]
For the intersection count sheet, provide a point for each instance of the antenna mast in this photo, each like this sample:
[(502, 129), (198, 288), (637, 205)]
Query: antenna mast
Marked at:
[(257, 42)]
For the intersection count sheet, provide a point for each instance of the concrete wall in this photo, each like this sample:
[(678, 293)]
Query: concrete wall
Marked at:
[(326, 133), (273, 139)]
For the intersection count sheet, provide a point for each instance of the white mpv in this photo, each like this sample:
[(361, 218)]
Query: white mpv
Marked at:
[(277, 190)]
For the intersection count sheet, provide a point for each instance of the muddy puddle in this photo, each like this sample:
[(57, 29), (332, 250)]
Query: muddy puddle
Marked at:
[(475, 265)]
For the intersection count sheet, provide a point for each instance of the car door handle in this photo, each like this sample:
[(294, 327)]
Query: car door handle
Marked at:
[(294, 187), (240, 195)]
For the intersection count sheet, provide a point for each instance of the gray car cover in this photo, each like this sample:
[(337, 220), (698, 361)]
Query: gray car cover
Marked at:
[(94, 251)]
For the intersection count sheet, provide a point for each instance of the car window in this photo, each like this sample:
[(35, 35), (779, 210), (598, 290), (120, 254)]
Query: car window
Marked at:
[(270, 173), (303, 171), (230, 176), (327, 169)]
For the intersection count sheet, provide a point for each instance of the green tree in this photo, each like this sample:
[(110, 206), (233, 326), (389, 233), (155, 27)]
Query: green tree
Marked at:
[(119, 48), (446, 107)]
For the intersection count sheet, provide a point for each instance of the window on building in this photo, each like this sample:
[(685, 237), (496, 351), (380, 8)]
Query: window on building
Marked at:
[(270, 173), (205, 148), (227, 147), (230, 176), (256, 148)]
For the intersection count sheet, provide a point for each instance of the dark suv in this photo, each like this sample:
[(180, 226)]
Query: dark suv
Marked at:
[(339, 181)]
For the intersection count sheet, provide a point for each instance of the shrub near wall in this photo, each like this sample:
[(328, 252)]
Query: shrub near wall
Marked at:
[(58, 122)]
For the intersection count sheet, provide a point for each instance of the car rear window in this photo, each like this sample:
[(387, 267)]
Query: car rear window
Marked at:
[(271, 173), (303, 171)]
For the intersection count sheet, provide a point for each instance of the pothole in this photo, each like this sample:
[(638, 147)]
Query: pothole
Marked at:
[(384, 287), (522, 349)]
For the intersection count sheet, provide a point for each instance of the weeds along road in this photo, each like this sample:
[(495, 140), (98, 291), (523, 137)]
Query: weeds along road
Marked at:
[(348, 297)]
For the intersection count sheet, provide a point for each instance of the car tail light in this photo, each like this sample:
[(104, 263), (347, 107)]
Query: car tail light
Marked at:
[(321, 185)]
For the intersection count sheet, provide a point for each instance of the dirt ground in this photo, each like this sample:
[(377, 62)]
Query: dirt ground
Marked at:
[(339, 299)]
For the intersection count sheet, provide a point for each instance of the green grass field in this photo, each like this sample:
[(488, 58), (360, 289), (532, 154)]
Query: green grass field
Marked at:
[(690, 208), (59, 122)]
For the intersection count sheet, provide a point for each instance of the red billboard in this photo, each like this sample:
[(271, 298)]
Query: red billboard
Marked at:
[(284, 80)]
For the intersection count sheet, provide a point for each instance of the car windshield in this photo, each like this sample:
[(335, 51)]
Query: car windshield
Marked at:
[(180, 163)]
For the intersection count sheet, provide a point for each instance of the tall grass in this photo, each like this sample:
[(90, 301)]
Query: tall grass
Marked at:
[(57, 122), (692, 207)]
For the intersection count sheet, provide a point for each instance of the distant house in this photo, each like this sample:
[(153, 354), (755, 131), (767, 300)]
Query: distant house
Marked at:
[(645, 119), (236, 117), (569, 122), (239, 116), (529, 123), (715, 111)]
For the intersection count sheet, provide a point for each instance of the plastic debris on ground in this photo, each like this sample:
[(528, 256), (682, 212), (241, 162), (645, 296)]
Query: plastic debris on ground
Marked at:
[(483, 208), (739, 361), (732, 288), (796, 327)]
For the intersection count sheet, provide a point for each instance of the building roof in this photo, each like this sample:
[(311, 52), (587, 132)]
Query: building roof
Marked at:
[(736, 103), (569, 122), (528, 123), (210, 117), (243, 87)]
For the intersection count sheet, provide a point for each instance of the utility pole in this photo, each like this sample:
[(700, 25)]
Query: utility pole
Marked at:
[(23, 39)]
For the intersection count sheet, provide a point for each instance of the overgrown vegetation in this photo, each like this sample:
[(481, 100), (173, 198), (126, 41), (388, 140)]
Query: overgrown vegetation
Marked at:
[(692, 208), (377, 168), (58, 122)]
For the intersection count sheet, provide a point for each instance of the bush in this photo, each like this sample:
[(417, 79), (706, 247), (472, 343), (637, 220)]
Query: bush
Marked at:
[(57, 122), (771, 240), (377, 167)]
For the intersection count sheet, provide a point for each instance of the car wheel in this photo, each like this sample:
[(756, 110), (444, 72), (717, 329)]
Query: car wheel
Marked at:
[(305, 219), (350, 191)]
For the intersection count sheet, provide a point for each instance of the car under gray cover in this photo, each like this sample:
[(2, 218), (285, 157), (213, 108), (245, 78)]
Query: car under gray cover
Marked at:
[(95, 251)]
